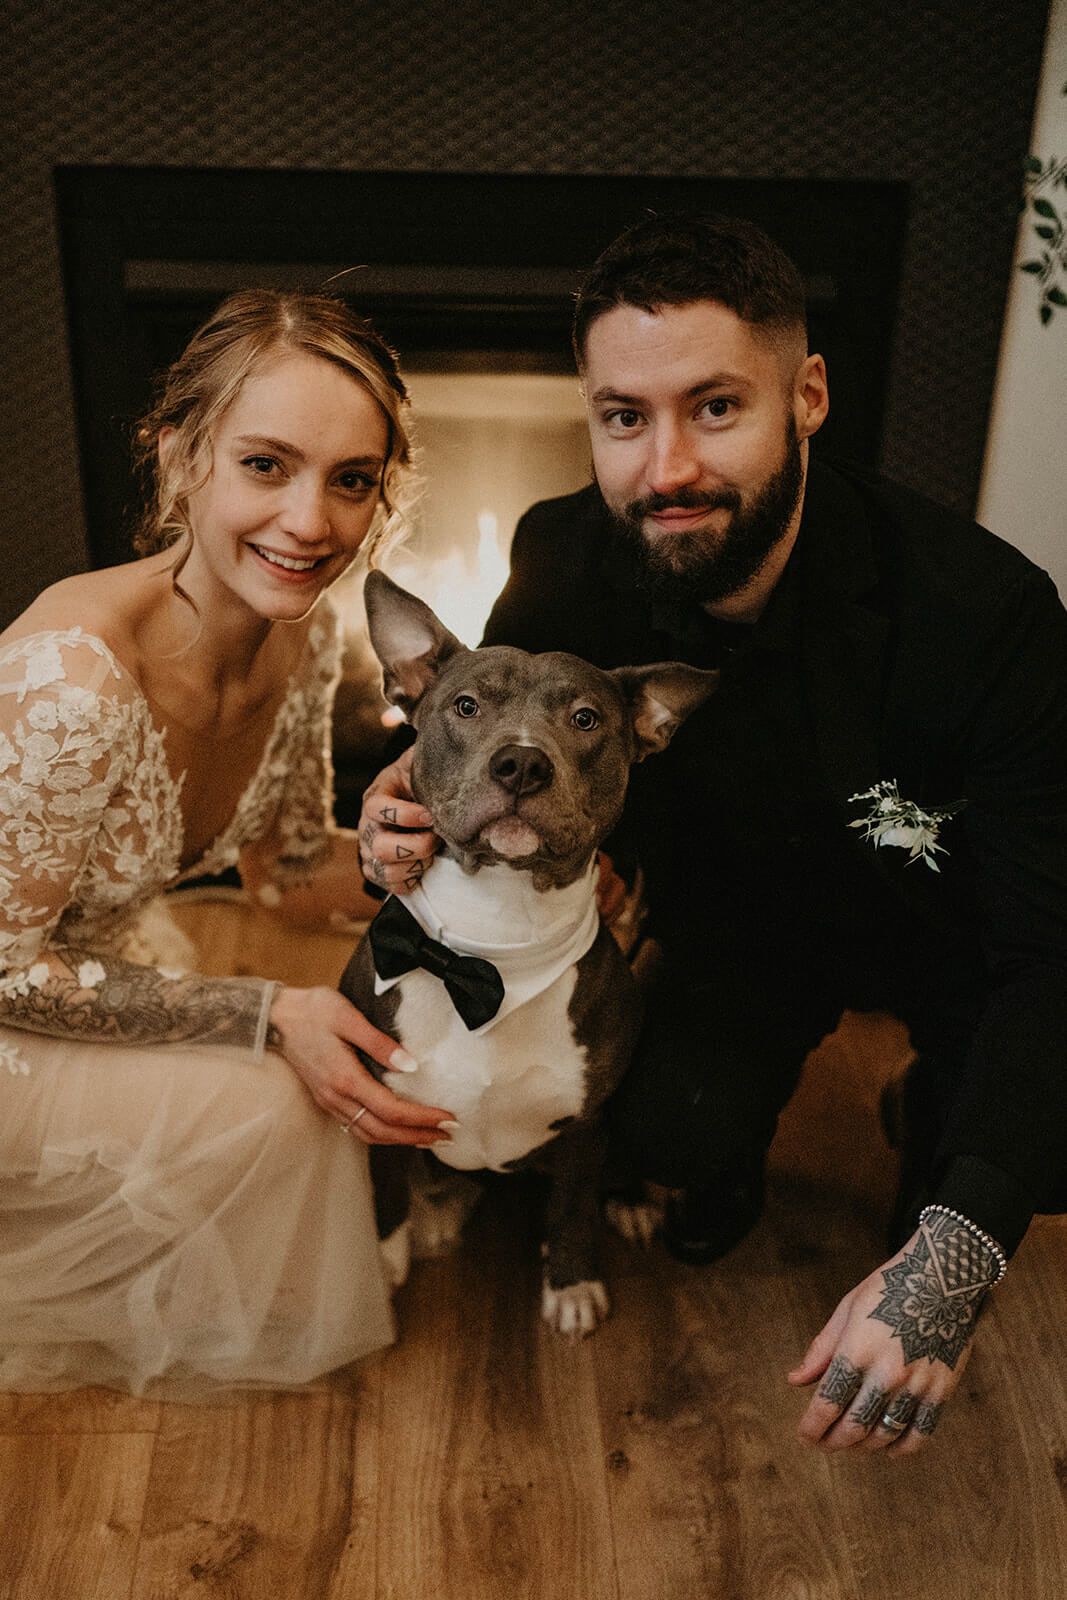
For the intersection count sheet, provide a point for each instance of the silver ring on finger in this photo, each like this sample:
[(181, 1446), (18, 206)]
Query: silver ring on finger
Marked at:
[(346, 1127), (898, 1413)]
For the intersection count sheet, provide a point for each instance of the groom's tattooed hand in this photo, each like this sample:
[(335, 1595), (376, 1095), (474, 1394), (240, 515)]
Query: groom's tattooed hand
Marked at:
[(932, 1297)]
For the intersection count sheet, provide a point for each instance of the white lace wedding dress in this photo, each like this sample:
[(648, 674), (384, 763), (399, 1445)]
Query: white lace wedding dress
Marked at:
[(174, 1218)]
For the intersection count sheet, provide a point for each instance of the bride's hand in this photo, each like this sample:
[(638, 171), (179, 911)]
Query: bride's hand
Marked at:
[(315, 1029)]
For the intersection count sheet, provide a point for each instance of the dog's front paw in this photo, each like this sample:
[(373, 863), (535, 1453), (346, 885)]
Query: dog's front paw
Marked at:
[(577, 1308), (395, 1252), (441, 1202)]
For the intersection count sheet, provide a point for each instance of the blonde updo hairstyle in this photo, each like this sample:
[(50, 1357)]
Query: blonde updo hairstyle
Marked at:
[(196, 391)]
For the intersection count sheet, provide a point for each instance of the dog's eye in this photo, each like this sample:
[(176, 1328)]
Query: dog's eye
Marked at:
[(586, 719), (465, 706)]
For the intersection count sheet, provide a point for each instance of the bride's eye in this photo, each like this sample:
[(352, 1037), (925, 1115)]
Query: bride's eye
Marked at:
[(263, 466)]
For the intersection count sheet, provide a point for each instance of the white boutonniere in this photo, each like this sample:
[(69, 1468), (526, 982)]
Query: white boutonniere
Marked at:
[(893, 821)]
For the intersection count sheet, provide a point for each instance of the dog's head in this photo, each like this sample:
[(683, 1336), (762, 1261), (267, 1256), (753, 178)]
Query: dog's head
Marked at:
[(521, 758)]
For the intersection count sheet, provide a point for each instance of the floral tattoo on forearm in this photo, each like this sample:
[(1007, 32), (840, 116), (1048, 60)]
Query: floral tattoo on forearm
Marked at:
[(932, 1297), (102, 997)]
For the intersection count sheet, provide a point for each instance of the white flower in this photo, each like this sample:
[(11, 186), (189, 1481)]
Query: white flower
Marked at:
[(38, 975), (37, 751), (89, 803), (43, 716), (902, 824), (76, 707), (68, 778), (91, 974), (11, 1058), (898, 834), (44, 665)]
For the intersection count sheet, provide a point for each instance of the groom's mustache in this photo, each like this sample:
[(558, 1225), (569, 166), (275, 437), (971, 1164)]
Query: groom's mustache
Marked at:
[(686, 500)]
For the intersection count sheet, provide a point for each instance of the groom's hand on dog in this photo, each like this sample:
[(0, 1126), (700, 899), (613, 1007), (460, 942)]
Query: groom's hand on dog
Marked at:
[(397, 842), (396, 838)]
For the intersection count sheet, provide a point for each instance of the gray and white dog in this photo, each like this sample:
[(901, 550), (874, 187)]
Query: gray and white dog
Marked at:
[(495, 974)]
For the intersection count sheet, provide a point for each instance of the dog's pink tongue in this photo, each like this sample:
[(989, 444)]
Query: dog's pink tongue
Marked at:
[(510, 837)]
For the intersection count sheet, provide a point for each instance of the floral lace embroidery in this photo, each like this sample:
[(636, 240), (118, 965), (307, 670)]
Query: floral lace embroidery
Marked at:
[(90, 822), (294, 782)]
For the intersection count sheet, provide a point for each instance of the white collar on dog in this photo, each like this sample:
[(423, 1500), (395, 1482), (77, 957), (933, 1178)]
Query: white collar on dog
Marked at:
[(530, 935)]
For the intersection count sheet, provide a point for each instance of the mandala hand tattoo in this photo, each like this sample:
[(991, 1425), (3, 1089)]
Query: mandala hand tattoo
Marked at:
[(842, 1382), (932, 1297)]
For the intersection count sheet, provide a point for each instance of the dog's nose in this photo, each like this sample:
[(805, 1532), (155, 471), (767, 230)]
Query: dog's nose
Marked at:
[(521, 769)]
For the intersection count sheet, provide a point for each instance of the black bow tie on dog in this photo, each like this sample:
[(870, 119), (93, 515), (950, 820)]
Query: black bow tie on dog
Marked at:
[(399, 944)]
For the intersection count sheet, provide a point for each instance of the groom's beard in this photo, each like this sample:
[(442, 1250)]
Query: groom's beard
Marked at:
[(710, 566)]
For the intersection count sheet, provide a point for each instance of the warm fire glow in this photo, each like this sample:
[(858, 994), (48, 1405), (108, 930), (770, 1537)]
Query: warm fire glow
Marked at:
[(462, 585)]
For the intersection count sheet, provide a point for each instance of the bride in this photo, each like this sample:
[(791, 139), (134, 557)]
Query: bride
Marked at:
[(180, 1209)]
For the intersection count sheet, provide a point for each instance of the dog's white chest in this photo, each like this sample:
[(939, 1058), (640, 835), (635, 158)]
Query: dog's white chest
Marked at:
[(508, 1082), (507, 1086)]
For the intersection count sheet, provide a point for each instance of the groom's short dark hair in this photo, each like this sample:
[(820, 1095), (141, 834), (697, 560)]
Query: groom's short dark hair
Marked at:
[(676, 260)]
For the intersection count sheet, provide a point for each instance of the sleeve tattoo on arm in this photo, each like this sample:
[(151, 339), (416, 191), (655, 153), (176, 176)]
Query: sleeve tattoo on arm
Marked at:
[(932, 1297), (106, 998)]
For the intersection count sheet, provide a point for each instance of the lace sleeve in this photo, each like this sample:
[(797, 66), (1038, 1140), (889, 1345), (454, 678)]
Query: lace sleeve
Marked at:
[(66, 733), (73, 729)]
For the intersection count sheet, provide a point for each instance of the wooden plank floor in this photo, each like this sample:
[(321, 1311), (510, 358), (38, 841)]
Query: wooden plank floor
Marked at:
[(483, 1457)]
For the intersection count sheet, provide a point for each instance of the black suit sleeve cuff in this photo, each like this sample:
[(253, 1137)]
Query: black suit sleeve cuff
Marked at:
[(989, 1197)]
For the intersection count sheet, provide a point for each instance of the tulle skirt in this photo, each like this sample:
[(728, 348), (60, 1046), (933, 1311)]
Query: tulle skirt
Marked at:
[(177, 1222)]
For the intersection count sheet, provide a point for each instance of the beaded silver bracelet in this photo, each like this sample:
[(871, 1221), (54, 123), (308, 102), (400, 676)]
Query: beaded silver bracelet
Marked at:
[(972, 1227)]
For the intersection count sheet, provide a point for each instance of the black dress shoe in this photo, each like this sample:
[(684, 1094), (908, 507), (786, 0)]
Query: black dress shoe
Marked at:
[(706, 1221)]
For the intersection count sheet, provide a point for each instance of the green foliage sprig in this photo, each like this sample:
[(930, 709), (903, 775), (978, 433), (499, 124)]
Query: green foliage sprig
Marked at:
[(1041, 180)]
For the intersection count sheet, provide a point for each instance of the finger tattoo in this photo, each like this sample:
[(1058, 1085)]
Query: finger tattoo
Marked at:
[(388, 814), (842, 1382), (870, 1408), (902, 1407), (927, 1418)]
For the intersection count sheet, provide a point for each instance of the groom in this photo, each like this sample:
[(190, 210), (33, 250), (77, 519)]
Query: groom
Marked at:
[(870, 813)]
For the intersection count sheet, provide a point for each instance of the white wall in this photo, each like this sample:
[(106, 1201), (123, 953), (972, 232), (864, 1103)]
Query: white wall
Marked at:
[(1024, 482)]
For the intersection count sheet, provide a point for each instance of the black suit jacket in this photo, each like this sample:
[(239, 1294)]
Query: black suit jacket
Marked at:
[(929, 652)]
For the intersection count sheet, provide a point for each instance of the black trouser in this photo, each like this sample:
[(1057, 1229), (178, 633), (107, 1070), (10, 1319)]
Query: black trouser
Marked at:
[(728, 1024)]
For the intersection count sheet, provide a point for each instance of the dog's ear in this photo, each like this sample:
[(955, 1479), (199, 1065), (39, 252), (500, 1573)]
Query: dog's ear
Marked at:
[(660, 698), (409, 641)]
